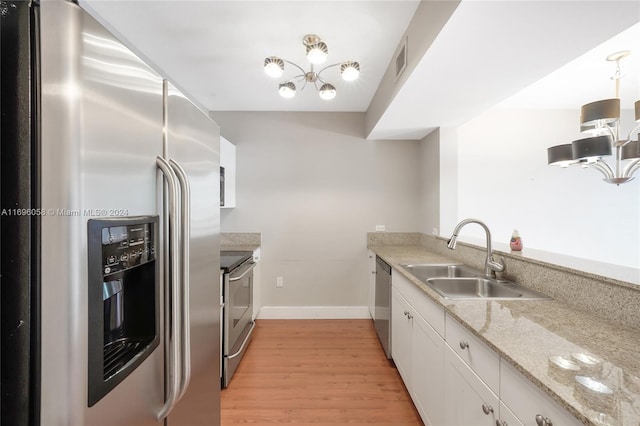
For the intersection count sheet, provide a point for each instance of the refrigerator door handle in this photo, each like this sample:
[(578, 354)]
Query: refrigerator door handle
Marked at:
[(172, 333), (185, 214)]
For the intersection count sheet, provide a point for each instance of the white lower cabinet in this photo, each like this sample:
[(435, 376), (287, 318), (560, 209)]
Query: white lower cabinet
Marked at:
[(401, 336), (460, 381), (372, 282), (427, 359), (468, 400), (418, 352), (257, 289)]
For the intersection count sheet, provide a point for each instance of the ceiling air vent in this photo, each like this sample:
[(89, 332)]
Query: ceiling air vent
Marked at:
[(401, 58)]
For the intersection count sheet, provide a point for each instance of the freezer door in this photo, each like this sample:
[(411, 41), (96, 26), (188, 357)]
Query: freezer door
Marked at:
[(101, 133), (193, 142)]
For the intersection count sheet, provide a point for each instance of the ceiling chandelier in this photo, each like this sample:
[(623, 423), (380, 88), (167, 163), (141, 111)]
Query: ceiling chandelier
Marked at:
[(317, 51), (601, 119)]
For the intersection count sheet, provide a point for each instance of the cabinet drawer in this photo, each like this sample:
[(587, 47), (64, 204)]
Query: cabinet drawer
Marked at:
[(482, 360), (427, 308), (527, 401)]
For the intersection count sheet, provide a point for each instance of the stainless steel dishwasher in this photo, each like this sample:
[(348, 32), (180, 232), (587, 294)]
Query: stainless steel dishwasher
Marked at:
[(382, 312)]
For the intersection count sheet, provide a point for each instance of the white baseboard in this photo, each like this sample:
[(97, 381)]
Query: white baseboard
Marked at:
[(314, 312)]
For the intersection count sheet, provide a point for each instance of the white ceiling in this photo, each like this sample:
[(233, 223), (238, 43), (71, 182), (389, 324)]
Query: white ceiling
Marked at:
[(490, 50), (487, 52), (587, 78), (214, 50)]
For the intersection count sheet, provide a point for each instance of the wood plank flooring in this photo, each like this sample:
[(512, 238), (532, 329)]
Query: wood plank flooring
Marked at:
[(316, 372)]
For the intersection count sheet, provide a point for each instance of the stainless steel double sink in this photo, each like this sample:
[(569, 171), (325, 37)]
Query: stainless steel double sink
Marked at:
[(456, 281)]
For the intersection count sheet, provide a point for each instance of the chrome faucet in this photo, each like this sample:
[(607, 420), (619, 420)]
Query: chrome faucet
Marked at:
[(490, 266)]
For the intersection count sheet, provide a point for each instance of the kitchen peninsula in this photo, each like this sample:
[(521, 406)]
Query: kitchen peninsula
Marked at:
[(542, 341)]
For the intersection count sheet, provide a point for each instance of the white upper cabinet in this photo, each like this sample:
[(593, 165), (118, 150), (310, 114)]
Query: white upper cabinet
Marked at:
[(228, 162)]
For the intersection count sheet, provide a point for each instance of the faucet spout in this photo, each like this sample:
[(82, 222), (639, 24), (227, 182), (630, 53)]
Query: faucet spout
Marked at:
[(490, 265), (451, 244)]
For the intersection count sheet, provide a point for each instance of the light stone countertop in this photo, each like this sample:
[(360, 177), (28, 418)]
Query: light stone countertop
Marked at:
[(527, 333), (240, 241), (239, 247)]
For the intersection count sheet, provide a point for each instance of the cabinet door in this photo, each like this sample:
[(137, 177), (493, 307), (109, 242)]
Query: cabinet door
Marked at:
[(428, 372), (257, 289), (401, 336), (468, 401), (371, 272)]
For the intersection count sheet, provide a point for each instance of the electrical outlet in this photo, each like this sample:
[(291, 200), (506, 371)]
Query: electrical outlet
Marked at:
[(279, 282), (380, 228)]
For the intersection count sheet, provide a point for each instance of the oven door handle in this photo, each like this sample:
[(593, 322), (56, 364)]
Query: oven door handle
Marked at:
[(251, 264), (246, 339)]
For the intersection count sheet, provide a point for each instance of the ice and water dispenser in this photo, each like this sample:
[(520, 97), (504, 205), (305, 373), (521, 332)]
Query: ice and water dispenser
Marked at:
[(123, 299)]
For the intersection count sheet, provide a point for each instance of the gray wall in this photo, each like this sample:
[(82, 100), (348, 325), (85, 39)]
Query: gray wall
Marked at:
[(430, 182), (313, 186)]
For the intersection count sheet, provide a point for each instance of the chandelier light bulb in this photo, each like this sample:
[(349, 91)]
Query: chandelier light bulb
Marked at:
[(327, 92), (287, 90), (317, 53), (274, 67), (350, 71)]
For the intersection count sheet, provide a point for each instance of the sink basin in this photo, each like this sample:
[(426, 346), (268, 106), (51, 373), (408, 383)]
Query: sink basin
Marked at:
[(471, 288), (424, 271), (481, 288), (457, 281)]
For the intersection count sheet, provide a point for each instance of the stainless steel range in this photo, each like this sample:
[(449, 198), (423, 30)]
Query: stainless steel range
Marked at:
[(237, 294)]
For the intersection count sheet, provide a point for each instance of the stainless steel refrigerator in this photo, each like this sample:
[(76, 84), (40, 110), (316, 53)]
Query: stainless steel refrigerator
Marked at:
[(110, 225)]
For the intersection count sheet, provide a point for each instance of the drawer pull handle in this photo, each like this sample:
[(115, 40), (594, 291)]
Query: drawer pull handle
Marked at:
[(487, 409), (543, 421), (463, 344)]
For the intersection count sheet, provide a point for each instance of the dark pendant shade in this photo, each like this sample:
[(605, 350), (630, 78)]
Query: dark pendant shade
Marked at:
[(560, 155), (591, 147), (631, 151), (607, 110)]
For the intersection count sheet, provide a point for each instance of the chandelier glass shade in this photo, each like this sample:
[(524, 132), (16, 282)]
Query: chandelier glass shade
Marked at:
[(317, 52), (601, 119)]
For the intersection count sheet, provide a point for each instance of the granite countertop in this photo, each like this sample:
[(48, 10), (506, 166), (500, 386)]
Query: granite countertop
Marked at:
[(239, 247), (527, 333), (240, 241)]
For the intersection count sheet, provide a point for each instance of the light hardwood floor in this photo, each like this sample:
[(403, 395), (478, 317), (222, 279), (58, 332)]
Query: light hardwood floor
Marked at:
[(316, 372)]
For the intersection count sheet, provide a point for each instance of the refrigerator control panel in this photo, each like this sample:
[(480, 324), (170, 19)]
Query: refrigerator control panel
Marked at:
[(126, 246)]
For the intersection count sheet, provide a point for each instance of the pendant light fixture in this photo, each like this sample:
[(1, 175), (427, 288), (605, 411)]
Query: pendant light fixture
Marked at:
[(601, 119), (317, 52)]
